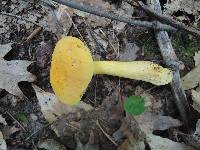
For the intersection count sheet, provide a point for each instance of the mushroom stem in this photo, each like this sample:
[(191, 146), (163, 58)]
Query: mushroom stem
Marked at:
[(139, 70)]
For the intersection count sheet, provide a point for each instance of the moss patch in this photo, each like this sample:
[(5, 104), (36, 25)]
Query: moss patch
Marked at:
[(186, 43)]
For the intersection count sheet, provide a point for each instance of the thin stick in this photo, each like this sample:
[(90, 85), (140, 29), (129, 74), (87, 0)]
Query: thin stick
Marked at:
[(169, 56), (102, 13), (16, 120), (33, 34), (40, 129), (168, 20), (106, 134), (75, 26)]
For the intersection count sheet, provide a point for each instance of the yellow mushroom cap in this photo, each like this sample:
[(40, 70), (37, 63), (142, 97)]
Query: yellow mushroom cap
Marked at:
[(71, 69)]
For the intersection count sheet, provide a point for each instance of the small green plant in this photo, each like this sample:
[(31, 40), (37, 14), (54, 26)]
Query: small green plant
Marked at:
[(22, 118), (186, 43), (134, 105)]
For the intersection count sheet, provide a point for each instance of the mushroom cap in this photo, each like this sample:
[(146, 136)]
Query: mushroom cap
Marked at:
[(71, 69)]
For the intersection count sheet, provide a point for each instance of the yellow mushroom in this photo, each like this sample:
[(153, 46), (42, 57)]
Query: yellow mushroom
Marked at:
[(72, 68)]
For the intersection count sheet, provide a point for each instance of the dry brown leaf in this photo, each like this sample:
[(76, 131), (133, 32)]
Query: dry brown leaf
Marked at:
[(129, 52), (9, 130), (165, 122), (146, 121), (191, 79), (95, 40), (196, 134), (59, 20), (129, 129), (197, 58), (188, 6), (2, 120), (91, 145), (196, 100), (3, 145), (52, 108), (50, 144), (128, 144), (152, 119), (93, 20), (159, 143), (151, 103), (4, 28), (125, 10), (12, 72), (191, 139)]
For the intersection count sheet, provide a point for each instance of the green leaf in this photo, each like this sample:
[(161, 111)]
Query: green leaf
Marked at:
[(134, 105)]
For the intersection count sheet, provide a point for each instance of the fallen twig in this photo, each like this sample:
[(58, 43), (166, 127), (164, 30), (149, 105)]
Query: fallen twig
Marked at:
[(16, 121), (33, 34), (92, 10), (40, 129), (106, 134), (168, 20), (169, 56)]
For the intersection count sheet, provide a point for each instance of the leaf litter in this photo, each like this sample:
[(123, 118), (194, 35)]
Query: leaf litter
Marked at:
[(3, 145), (12, 72), (78, 125)]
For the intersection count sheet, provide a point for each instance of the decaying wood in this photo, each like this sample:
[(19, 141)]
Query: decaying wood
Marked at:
[(170, 57), (168, 20), (102, 13)]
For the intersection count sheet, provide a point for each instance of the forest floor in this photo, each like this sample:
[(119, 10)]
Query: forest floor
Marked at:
[(29, 31)]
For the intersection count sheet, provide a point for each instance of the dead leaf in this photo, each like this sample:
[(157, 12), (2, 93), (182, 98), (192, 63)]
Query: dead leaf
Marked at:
[(3, 145), (125, 10), (188, 6), (152, 104), (191, 79), (96, 21), (159, 143), (2, 120), (12, 72), (197, 58), (118, 26), (91, 145), (128, 144), (43, 54), (152, 111), (129, 130), (129, 52), (50, 144), (9, 98), (196, 100), (146, 121), (52, 108), (59, 20), (197, 132), (152, 118), (95, 40), (92, 20), (9, 130), (165, 122), (3, 27), (191, 139)]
